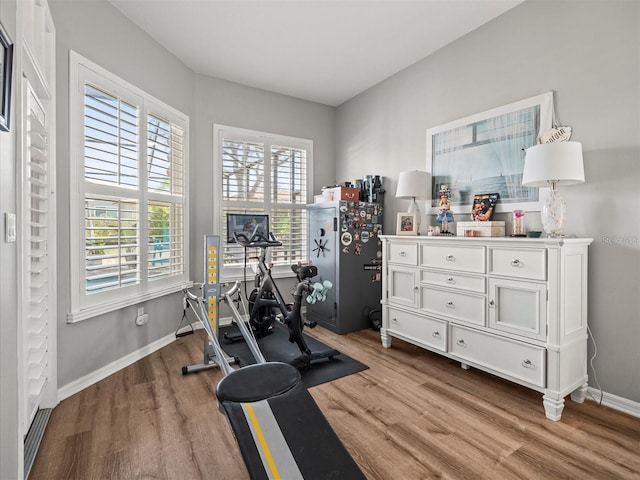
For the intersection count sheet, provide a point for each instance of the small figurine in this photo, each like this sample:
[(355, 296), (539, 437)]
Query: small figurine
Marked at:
[(445, 216)]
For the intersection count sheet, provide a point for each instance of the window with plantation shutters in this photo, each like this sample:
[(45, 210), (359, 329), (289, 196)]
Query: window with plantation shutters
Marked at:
[(131, 159), (264, 173)]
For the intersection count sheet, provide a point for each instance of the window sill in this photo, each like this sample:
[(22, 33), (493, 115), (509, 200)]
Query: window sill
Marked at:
[(90, 312)]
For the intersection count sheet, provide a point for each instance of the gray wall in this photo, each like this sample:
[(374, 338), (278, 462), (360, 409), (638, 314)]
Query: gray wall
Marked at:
[(588, 53), (88, 28)]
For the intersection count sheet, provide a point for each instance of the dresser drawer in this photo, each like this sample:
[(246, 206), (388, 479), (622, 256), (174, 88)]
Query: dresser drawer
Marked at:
[(453, 280), (403, 253), (517, 360), (519, 263), (427, 331), (454, 257), (466, 307)]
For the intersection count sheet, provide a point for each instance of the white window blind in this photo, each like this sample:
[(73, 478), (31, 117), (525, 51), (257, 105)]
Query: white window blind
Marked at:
[(165, 208), (133, 164), (263, 173), (111, 139), (111, 146), (36, 245)]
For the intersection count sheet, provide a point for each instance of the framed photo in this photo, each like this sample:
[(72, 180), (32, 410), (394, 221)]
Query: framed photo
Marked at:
[(484, 205), (485, 153), (6, 64), (407, 224)]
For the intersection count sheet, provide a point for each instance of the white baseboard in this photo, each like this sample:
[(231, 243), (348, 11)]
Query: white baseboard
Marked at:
[(621, 404), (94, 377)]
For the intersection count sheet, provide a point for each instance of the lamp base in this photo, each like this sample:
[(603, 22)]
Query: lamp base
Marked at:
[(413, 208), (553, 213)]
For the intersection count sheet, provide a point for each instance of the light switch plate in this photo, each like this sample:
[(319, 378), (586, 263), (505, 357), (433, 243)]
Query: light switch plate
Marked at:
[(9, 227)]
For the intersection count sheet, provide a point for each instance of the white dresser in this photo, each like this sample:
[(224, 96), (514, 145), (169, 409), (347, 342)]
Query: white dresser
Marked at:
[(516, 308)]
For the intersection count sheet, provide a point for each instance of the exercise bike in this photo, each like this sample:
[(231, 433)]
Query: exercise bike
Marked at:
[(274, 418), (267, 306)]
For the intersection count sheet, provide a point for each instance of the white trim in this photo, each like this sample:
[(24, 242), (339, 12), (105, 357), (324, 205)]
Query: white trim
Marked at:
[(83, 306), (94, 377), (615, 402), (73, 317), (97, 375)]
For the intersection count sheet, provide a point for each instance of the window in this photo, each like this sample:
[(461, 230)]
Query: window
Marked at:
[(263, 173), (129, 223)]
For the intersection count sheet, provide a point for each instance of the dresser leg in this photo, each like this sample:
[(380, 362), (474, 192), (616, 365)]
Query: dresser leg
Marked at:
[(464, 366), (553, 405), (580, 393), (385, 338)]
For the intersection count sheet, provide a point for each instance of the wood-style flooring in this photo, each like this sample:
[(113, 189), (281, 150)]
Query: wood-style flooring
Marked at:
[(412, 415)]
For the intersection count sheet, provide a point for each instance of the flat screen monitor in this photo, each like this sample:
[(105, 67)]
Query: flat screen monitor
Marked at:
[(247, 224)]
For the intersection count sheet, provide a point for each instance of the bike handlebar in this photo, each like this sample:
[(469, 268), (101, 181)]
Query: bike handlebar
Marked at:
[(257, 240)]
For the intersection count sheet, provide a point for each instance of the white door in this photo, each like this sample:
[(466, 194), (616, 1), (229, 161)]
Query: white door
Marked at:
[(37, 304)]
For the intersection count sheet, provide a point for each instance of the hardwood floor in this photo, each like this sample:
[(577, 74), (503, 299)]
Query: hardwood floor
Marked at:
[(411, 415)]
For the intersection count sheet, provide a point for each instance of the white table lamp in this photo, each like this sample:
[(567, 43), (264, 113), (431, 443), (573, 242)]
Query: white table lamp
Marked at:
[(413, 184), (552, 165)]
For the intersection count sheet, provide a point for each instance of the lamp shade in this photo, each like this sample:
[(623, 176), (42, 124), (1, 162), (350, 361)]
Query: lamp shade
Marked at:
[(548, 163), (413, 184)]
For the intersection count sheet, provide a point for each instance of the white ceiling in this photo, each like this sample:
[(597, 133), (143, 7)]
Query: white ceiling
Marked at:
[(326, 51)]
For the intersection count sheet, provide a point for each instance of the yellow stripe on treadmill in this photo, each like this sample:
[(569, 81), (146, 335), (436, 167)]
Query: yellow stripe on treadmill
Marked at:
[(276, 456)]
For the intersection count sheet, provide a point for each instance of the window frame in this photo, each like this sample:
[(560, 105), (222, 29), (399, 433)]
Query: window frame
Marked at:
[(220, 132), (82, 305)]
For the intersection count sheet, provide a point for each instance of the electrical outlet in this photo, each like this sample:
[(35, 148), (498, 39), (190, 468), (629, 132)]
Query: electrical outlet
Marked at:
[(142, 319)]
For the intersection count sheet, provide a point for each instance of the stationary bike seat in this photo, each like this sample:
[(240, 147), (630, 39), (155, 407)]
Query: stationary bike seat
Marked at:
[(257, 382), (305, 271)]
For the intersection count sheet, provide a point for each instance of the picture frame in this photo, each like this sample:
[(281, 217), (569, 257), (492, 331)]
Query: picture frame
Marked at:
[(6, 67), (407, 224), (485, 152), (484, 204)]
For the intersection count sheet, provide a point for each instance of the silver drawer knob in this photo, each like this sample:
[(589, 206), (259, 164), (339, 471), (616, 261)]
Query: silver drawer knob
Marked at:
[(492, 303), (394, 320), (402, 254), (450, 258), (450, 280), (450, 304), (527, 364), (515, 263), (461, 343), (435, 334)]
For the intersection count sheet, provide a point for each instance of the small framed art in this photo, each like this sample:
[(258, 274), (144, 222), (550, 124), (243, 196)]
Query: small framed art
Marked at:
[(484, 205), (407, 224)]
